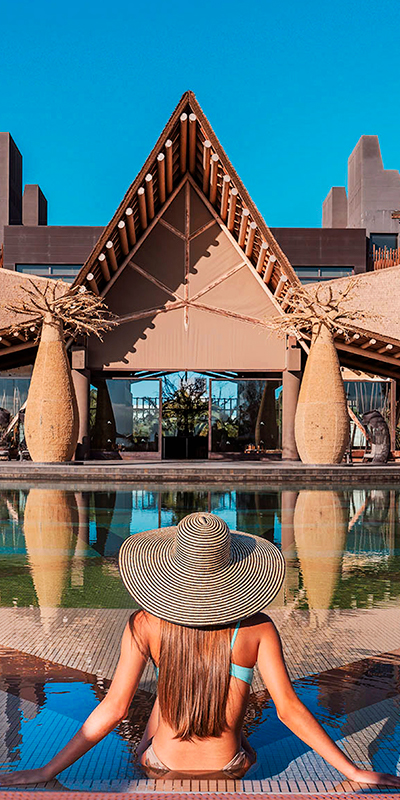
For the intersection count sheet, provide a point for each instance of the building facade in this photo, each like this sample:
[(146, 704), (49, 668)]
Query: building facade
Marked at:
[(194, 275)]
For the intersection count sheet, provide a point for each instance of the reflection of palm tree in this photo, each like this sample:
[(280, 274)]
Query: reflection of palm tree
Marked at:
[(320, 528), (182, 503), (50, 516), (186, 407)]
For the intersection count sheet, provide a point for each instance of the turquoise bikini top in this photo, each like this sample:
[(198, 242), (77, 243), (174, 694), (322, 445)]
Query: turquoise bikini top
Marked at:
[(243, 673)]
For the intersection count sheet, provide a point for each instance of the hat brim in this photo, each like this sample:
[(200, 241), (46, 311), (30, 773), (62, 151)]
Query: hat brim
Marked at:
[(247, 584)]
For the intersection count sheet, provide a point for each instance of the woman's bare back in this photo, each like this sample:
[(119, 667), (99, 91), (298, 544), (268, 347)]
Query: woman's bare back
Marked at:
[(211, 753)]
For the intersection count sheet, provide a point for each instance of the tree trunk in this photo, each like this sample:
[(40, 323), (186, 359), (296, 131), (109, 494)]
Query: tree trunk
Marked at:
[(322, 422), (51, 418)]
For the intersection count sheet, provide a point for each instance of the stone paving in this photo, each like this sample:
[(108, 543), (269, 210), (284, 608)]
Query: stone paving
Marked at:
[(207, 471), (180, 794), (88, 638)]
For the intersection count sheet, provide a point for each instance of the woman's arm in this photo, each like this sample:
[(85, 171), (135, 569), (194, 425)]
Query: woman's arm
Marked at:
[(102, 720), (294, 714)]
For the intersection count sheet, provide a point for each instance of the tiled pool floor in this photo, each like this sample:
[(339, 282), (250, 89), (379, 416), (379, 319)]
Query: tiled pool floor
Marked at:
[(44, 703)]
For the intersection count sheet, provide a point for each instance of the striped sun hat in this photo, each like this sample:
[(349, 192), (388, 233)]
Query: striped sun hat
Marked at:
[(200, 573)]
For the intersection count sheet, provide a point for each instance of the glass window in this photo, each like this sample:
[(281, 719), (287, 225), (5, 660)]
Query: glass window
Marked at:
[(124, 415), (246, 416), (382, 240), (66, 272), (13, 393), (363, 396), (313, 274)]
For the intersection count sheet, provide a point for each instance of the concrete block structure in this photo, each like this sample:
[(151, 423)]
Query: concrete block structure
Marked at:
[(373, 194), (27, 243), (10, 183), (334, 209), (34, 206)]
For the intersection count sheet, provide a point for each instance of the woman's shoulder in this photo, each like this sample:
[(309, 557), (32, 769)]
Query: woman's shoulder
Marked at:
[(257, 620)]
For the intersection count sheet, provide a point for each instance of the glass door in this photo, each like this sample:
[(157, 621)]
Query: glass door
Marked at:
[(185, 407)]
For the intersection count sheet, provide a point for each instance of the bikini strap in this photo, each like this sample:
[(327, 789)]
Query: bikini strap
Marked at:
[(235, 633)]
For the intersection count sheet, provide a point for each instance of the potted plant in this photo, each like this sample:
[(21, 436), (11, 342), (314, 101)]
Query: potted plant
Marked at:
[(322, 420), (51, 417)]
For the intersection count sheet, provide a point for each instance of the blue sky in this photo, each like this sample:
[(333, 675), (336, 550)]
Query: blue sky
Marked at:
[(289, 88)]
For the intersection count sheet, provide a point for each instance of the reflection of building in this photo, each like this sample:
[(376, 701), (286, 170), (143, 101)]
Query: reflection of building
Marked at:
[(192, 271)]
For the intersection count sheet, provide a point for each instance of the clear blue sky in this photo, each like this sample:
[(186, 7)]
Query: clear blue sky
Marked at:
[(289, 88)]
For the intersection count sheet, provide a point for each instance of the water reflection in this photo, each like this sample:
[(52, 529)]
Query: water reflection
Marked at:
[(320, 527), (50, 527), (59, 551), (59, 547)]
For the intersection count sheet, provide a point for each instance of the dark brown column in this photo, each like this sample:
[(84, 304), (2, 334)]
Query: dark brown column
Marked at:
[(81, 381), (291, 386)]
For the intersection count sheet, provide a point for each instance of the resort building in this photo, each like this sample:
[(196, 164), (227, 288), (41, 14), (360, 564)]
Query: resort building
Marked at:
[(371, 203), (193, 274)]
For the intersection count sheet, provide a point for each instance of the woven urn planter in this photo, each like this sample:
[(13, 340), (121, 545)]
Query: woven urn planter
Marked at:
[(322, 425), (320, 529), (51, 417)]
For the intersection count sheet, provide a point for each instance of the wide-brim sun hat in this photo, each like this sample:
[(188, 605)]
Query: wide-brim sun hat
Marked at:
[(200, 573)]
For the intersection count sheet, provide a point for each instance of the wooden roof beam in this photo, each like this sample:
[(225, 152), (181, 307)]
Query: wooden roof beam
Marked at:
[(192, 142), (123, 237), (130, 226), (92, 283), (250, 239), (161, 177), (367, 344), (385, 348), (280, 285), (225, 197), (142, 208), (149, 195), (206, 165), (111, 257), (4, 342), (243, 227), (232, 209), (213, 178), (269, 268), (261, 257), (373, 354), (102, 259), (183, 135), (169, 166)]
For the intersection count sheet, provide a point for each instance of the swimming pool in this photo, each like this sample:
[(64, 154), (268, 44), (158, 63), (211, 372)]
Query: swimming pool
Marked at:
[(63, 607)]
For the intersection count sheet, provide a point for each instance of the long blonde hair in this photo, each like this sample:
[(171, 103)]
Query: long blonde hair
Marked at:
[(193, 681)]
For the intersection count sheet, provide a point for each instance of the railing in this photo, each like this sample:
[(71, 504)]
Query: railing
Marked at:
[(383, 257)]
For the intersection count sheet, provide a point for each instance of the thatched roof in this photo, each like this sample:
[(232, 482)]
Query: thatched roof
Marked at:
[(374, 342), (12, 285), (377, 294)]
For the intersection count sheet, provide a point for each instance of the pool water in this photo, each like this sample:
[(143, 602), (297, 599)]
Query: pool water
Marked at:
[(63, 608)]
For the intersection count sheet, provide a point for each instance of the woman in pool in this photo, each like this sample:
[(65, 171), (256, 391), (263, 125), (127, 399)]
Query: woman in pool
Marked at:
[(202, 590)]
